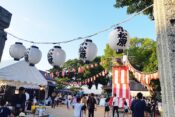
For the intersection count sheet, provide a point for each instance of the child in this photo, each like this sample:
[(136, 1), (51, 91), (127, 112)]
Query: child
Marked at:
[(78, 108), (126, 109), (107, 109)]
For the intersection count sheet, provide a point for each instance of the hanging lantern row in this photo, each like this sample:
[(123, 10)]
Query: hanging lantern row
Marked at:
[(56, 56), (143, 78), (73, 71), (32, 55), (119, 39), (88, 80)]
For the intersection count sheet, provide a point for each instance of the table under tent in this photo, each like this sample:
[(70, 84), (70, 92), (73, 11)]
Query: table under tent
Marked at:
[(15, 74)]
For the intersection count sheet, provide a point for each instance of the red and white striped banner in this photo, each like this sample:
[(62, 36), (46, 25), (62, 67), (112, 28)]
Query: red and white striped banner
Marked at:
[(120, 84)]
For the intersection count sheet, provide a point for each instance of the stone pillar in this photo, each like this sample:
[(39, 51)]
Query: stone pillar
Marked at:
[(5, 18), (164, 13)]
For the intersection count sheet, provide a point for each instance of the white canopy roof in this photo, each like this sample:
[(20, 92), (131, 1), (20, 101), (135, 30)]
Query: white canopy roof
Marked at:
[(19, 73), (93, 90)]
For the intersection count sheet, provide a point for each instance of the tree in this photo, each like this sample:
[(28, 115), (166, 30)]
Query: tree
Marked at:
[(134, 6), (142, 54)]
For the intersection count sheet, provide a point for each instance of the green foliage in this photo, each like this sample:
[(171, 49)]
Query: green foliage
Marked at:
[(60, 81), (134, 6), (142, 54)]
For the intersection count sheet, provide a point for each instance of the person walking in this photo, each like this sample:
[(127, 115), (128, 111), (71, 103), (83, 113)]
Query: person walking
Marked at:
[(53, 96), (107, 108), (138, 106), (84, 102), (78, 108), (91, 103), (115, 106)]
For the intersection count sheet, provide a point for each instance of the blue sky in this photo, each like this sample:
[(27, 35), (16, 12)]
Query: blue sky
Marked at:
[(59, 20)]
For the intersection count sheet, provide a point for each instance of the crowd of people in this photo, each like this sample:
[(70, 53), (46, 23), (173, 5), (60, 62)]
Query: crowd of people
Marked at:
[(140, 106), (18, 104), (83, 105)]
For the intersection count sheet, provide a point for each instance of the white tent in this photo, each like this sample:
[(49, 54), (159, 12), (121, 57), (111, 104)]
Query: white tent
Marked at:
[(19, 73), (93, 90)]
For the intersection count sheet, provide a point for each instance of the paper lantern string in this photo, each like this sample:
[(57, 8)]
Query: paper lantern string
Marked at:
[(86, 81), (143, 78), (85, 37), (80, 69)]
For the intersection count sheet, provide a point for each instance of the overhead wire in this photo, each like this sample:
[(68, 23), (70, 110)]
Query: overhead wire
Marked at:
[(85, 37)]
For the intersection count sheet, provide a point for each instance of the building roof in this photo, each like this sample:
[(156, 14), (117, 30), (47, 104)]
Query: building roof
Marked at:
[(136, 86), (46, 75)]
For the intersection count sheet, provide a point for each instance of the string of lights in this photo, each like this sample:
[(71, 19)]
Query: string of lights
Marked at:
[(85, 37)]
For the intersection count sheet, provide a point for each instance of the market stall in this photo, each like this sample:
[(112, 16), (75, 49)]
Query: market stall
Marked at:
[(19, 73)]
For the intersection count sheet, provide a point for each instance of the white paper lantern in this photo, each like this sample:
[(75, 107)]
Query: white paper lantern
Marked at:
[(33, 55), (87, 51), (56, 56), (119, 39), (17, 51)]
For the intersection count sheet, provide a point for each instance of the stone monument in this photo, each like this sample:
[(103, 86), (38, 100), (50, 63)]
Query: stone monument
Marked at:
[(5, 18), (164, 13)]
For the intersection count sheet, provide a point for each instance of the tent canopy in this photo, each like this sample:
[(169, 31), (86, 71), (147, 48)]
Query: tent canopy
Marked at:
[(19, 73), (93, 90)]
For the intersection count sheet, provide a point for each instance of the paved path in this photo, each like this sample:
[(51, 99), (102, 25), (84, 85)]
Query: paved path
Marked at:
[(62, 111)]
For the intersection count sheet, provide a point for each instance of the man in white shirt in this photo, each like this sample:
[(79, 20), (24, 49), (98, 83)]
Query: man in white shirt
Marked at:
[(78, 108), (115, 105), (27, 99)]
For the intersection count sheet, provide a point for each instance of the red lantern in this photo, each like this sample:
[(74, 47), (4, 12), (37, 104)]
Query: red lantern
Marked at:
[(57, 73), (87, 67), (94, 78), (96, 65), (80, 69), (51, 75), (92, 65)]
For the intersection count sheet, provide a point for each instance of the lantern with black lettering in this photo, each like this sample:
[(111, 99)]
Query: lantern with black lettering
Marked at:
[(119, 39), (87, 51), (33, 55), (56, 56)]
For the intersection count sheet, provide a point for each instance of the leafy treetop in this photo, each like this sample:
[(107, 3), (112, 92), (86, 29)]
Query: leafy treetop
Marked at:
[(134, 6)]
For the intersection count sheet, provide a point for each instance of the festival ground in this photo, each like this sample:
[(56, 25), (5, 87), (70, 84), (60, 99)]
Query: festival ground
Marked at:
[(62, 111)]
